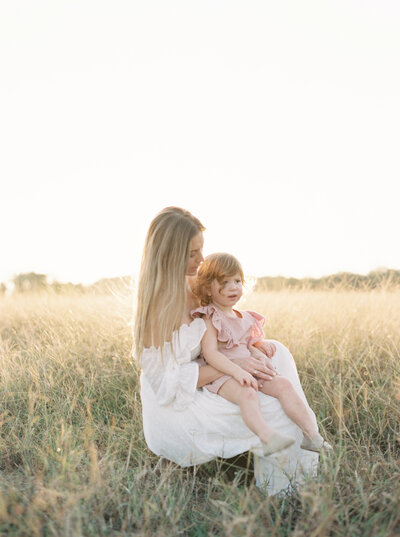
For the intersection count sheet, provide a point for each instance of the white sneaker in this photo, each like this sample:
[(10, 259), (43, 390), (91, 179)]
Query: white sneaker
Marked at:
[(316, 443), (277, 442)]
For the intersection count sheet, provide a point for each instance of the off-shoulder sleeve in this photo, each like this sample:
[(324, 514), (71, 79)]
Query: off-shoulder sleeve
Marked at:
[(173, 376), (257, 333), (224, 334)]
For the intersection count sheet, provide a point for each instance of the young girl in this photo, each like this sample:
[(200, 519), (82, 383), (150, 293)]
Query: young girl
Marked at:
[(229, 335)]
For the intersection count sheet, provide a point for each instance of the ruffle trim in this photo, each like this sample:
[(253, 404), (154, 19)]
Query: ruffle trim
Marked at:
[(184, 341), (257, 333), (225, 335), (173, 374)]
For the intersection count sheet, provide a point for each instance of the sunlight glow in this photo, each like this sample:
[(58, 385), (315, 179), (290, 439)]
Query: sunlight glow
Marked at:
[(276, 124)]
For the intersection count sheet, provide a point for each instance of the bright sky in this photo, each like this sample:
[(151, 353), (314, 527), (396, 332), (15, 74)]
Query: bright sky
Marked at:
[(277, 123)]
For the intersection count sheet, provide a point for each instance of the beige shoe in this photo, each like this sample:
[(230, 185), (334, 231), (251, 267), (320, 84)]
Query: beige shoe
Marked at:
[(277, 442), (316, 443)]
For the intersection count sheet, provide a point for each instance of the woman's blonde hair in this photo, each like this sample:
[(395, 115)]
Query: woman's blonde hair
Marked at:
[(161, 294), (215, 267)]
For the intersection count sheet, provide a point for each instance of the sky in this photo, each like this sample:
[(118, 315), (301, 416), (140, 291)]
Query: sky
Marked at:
[(276, 123)]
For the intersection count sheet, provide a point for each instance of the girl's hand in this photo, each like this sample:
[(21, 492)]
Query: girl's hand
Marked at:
[(256, 367), (245, 378)]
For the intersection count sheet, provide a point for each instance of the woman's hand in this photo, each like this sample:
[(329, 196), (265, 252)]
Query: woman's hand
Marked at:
[(207, 374), (245, 378), (256, 367), (259, 355)]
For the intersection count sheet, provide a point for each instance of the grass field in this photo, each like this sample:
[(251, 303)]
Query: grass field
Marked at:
[(73, 461)]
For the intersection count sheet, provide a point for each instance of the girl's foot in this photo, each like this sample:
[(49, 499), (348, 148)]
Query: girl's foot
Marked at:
[(316, 443), (276, 442)]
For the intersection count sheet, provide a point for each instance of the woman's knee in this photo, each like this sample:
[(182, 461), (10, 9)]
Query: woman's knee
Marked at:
[(282, 358), (280, 347)]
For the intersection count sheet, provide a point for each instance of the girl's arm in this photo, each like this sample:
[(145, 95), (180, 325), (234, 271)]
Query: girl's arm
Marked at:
[(219, 361)]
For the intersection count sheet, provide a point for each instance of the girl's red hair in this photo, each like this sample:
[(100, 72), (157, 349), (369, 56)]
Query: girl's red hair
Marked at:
[(215, 267)]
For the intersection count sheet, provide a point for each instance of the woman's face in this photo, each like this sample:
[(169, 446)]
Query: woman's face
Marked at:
[(195, 254)]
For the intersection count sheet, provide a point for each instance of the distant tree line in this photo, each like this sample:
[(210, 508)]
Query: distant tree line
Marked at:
[(33, 282), (343, 280)]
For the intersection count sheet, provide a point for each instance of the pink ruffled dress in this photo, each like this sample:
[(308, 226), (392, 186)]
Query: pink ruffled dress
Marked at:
[(234, 335)]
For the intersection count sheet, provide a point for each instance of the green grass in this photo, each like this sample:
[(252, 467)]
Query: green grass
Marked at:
[(73, 461)]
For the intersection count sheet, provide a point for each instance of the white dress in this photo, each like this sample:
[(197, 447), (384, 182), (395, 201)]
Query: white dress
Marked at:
[(191, 426)]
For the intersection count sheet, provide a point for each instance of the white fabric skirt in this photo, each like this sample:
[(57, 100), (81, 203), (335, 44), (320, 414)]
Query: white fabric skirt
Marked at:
[(212, 427)]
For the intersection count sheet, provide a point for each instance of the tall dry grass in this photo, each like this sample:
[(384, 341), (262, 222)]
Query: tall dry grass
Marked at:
[(73, 461)]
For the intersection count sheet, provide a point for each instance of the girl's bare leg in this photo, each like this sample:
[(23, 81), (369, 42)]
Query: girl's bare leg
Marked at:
[(281, 388), (249, 404)]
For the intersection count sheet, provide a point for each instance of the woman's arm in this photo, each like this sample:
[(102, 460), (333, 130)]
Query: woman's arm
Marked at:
[(219, 361), (207, 374)]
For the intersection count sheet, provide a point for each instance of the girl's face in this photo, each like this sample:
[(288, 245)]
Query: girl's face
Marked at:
[(195, 254), (227, 293)]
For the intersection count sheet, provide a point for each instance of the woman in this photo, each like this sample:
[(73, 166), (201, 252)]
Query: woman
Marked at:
[(181, 422)]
